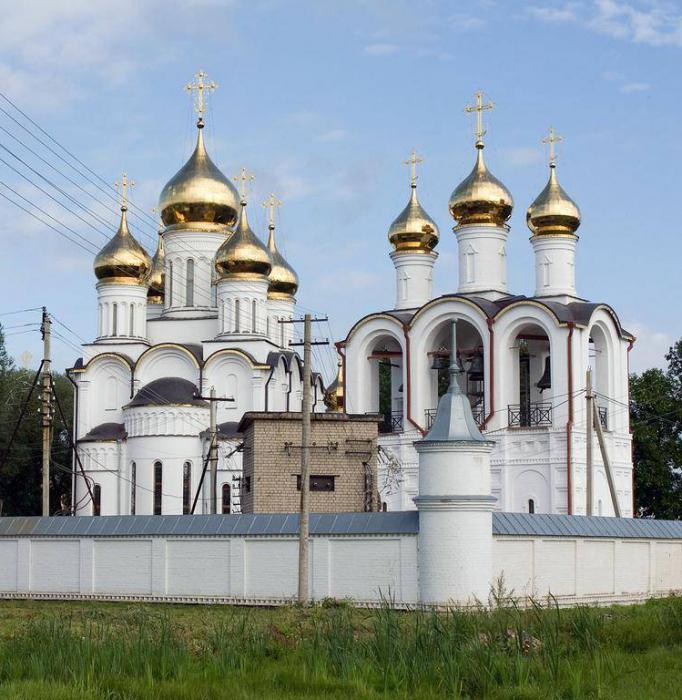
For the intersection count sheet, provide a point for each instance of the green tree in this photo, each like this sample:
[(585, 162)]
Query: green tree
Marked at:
[(20, 465), (656, 422)]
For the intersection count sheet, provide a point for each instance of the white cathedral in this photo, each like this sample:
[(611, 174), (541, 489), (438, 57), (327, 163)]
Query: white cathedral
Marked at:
[(525, 357), (205, 313)]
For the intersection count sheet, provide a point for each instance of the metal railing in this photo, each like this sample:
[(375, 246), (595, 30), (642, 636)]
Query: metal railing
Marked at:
[(529, 415), (478, 411), (391, 423)]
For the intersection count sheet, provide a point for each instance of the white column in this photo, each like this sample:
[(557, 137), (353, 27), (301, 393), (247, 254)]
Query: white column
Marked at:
[(554, 265), (413, 273), (482, 253)]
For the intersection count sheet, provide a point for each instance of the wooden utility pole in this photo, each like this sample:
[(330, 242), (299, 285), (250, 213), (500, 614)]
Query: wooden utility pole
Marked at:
[(589, 467), (213, 451), (306, 408), (605, 459), (46, 410), (303, 542)]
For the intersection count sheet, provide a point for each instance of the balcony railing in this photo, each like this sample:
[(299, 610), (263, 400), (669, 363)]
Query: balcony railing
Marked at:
[(391, 423), (529, 415), (478, 411)]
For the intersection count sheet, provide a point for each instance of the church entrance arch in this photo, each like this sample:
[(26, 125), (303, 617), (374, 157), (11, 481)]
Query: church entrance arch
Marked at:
[(385, 390)]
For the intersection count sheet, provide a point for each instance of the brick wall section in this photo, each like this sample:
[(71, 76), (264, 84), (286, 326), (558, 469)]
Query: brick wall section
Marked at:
[(340, 445)]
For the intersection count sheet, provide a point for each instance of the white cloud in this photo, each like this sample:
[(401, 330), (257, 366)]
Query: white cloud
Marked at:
[(635, 87), (466, 22), (650, 22), (380, 49), (650, 348), (332, 135)]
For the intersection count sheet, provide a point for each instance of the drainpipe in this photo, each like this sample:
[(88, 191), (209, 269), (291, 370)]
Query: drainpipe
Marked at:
[(569, 424), (491, 390), (408, 413), (272, 371), (632, 444)]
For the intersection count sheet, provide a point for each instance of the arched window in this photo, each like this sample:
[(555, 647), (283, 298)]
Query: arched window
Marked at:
[(132, 320), (158, 485), (236, 315), (100, 321), (114, 319), (531, 506), (170, 284), (281, 333), (267, 326), (226, 499), (97, 502), (189, 293), (133, 487), (186, 488)]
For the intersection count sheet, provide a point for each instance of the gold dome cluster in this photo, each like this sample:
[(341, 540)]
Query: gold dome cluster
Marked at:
[(413, 230), (199, 196), (553, 213), (243, 254), (157, 275), (123, 260)]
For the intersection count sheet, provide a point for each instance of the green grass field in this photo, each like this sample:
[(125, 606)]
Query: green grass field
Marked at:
[(74, 651)]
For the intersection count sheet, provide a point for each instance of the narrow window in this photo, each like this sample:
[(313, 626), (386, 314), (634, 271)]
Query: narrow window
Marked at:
[(132, 320), (170, 284), (318, 483), (114, 319), (133, 487), (236, 315), (226, 499), (281, 333), (186, 488), (253, 316), (247, 484), (97, 502), (189, 296), (531, 506), (158, 484), (267, 326)]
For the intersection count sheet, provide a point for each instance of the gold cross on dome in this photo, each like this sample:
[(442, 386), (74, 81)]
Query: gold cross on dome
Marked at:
[(413, 161), (201, 87), (551, 139), (243, 180), (479, 108), (122, 186), (271, 204)]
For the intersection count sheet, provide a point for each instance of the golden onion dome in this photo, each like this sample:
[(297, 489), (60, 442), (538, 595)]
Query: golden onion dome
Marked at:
[(333, 397), (157, 275), (481, 198), (123, 260), (199, 196), (553, 212), (283, 279), (413, 231), (243, 254)]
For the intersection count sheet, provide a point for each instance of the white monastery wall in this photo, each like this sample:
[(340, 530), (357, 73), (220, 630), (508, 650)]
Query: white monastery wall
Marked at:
[(250, 569)]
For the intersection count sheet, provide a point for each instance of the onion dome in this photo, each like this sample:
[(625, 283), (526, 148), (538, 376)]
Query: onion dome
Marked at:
[(283, 278), (553, 212), (333, 397), (413, 230), (243, 254), (199, 196), (481, 198), (123, 260), (157, 275)]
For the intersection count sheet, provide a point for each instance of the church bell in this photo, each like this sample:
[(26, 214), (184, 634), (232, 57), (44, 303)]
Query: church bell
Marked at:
[(546, 378), (475, 371)]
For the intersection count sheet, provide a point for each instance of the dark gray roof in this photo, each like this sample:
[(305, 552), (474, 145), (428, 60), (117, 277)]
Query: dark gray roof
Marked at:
[(228, 429), (245, 524), (584, 526), (167, 391), (392, 523), (105, 431)]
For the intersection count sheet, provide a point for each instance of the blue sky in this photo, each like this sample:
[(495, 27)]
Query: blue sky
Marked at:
[(323, 101)]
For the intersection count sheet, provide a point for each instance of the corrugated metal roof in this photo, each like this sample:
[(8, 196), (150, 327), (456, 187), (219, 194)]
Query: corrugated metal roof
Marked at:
[(207, 525), (392, 523), (583, 526)]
